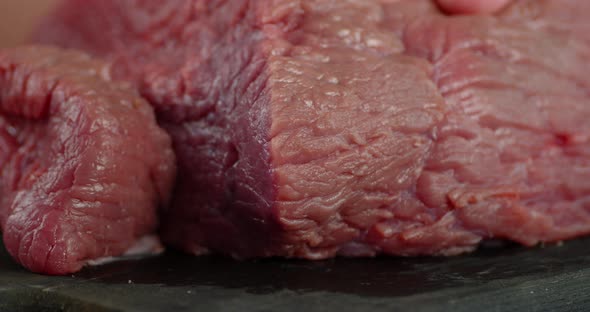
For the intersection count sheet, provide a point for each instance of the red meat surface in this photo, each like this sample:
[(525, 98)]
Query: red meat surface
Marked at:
[(315, 128), (83, 163)]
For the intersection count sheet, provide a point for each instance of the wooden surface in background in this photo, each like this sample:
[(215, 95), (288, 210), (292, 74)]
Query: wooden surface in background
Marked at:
[(19, 17)]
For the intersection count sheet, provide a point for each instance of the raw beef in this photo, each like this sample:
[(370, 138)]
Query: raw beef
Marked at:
[(83, 163), (315, 128)]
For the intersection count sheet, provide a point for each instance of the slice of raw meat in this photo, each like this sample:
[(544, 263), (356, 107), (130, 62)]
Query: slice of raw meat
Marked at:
[(311, 128), (83, 163)]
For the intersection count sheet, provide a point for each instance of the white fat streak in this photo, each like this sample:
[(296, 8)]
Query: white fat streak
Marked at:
[(146, 246)]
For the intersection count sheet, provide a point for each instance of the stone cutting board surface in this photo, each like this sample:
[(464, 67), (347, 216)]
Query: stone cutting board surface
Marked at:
[(506, 278)]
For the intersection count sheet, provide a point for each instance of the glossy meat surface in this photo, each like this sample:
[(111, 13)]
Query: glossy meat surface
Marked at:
[(83, 163), (312, 128)]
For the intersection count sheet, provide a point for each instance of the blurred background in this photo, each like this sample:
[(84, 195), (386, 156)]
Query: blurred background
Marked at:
[(19, 17)]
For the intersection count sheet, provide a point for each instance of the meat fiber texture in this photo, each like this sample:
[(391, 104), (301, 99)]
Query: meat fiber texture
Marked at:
[(316, 128), (83, 163)]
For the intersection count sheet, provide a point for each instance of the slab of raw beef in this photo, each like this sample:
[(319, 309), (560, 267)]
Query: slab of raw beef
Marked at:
[(313, 128), (83, 164)]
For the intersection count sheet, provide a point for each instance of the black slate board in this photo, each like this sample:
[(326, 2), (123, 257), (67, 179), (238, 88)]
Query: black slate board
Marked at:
[(550, 278)]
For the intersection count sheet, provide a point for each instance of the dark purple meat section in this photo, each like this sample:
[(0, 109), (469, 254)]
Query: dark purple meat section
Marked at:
[(83, 163), (312, 128)]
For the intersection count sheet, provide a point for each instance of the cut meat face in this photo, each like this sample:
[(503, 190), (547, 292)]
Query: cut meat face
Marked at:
[(315, 128), (83, 163)]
